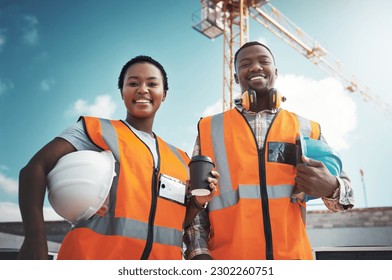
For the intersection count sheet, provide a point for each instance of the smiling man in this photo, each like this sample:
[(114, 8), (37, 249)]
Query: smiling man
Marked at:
[(259, 210)]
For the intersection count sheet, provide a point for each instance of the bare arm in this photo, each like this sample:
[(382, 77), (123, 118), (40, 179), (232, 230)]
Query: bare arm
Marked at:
[(32, 189)]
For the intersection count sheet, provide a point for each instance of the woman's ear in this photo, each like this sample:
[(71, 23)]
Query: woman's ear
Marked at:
[(164, 96)]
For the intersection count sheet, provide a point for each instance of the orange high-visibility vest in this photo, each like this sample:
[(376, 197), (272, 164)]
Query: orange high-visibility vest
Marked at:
[(139, 223), (252, 216)]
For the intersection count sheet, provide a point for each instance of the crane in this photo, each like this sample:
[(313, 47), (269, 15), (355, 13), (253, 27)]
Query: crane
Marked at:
[(230, 18)]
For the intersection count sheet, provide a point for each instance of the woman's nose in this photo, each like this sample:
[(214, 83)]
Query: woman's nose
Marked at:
[(142, 89)]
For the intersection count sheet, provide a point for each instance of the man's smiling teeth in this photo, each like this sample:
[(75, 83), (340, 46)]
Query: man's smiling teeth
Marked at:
[(257, 77)]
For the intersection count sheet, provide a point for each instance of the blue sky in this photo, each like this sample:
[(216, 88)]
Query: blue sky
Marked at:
[(61, 59)]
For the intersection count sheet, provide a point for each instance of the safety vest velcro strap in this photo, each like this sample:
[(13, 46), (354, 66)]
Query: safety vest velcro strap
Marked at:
[(231, 198)]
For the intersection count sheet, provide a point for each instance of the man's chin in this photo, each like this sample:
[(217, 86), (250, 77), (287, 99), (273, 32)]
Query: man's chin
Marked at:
[(260, 90)]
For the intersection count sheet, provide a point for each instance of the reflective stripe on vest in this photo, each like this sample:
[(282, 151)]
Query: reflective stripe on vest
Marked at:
[(231, 198), (122, 232), (221, 163), (229, 141), (135, 229)]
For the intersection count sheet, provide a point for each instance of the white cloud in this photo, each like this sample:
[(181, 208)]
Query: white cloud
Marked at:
[(47, 84), (263, 40), (324, 101), (5, 85), (213, 109), (3, 167), (187, 147), (10, 213), (8, 185), (30, 30), (103, 107), (3, 39)]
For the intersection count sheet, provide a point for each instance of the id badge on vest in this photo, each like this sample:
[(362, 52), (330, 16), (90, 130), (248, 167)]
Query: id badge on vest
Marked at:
[(172, 189)]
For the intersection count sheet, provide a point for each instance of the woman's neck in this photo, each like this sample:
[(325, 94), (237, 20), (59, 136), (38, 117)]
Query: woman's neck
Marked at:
[(144, 125)]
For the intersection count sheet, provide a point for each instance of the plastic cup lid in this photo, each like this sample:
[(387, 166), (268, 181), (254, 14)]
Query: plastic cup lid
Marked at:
[(200, 192), (201, 158)]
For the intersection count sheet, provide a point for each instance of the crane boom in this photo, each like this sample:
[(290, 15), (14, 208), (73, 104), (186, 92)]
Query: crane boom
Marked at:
[(281, 26), (230, 18)]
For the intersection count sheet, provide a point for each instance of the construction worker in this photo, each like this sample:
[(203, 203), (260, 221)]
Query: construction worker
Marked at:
[(256, 213), (139, 223)]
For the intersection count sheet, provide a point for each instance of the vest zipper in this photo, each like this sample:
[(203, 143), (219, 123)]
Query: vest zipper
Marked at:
[(151, 218), (265, 206), (263, 189), (154, 198), (263, 192)]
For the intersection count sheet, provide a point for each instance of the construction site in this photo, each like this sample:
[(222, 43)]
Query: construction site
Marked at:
[(359, 234)]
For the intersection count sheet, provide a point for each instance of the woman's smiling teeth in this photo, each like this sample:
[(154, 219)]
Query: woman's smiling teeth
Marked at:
[(143, 101)]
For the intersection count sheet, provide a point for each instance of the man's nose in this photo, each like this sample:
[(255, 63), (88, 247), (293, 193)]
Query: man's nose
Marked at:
[(256, 67)]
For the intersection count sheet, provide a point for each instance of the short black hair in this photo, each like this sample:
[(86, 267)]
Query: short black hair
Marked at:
[(142, 59), (248, 44)]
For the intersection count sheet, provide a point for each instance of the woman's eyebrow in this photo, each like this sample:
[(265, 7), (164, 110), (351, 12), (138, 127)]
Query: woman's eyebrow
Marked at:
[(148, 78)]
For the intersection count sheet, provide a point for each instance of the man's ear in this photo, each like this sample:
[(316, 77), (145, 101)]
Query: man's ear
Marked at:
[(122, 97), (276, 72), (237, 81)]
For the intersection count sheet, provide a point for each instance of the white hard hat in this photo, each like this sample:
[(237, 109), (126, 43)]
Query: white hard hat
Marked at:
[(79, 184)]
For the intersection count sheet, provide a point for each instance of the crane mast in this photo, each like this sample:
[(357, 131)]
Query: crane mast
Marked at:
[(235, 35), (230, 18)]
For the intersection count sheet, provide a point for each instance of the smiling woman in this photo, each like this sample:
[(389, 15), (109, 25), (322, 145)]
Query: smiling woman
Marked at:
[(143, 92), (135, 223)]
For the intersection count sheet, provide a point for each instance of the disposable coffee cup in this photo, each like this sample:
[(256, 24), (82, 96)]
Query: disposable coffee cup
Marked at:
[(200, 168)]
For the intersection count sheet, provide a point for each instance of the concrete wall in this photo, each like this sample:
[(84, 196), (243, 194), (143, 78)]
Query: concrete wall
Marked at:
[(357, 227)]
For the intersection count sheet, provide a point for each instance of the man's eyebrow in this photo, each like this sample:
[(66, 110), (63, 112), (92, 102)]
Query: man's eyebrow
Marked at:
[(247, 59)]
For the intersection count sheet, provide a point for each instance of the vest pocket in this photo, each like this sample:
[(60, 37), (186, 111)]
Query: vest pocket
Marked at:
[(282, 152)]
